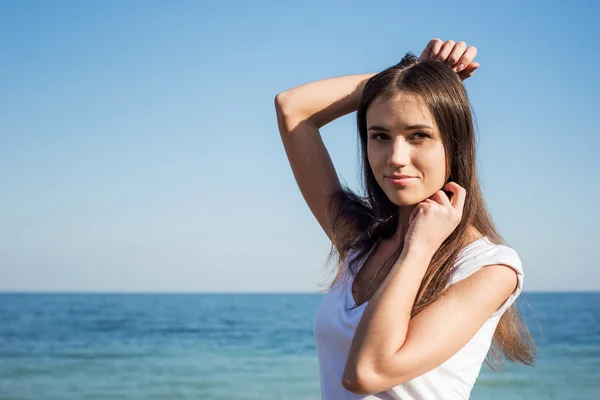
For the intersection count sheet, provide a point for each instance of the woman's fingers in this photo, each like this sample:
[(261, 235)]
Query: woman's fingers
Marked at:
[(440, 198), (466, 58), (459, 195), (426, 51), (468, 71), (445, 51), (457, 54), (432, 50)]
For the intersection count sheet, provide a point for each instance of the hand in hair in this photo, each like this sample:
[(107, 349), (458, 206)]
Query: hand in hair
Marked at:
[(457, 55), (434, 219)]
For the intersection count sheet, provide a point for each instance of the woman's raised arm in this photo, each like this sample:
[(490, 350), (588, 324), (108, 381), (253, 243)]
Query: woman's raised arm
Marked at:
[(301, 111)]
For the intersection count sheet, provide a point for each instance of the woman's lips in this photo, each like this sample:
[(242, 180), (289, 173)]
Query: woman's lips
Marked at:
[(400, 181)]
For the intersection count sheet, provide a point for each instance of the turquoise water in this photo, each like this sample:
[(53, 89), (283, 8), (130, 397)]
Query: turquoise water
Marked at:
[(241, 346)]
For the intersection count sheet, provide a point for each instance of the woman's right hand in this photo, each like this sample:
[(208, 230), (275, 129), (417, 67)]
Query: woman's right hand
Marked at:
[(457, 55)]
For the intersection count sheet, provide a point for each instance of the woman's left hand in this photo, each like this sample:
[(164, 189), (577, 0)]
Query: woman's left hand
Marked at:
[(434, 219)]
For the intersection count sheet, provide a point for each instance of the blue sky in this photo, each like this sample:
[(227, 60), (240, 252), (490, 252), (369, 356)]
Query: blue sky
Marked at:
[(139, 148)]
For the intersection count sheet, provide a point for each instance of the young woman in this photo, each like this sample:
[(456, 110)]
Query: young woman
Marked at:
[(425, 288)]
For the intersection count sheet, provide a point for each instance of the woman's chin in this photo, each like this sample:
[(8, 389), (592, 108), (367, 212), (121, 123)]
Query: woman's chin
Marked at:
[(404, 201)]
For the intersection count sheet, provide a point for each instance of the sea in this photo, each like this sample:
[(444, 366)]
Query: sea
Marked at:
[(243, 346)]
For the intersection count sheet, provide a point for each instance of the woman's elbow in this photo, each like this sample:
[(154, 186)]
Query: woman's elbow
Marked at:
[(369, 381), (361, 382), (283, 104)]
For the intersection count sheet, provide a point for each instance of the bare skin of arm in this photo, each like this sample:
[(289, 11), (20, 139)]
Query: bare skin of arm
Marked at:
[(301, 112)]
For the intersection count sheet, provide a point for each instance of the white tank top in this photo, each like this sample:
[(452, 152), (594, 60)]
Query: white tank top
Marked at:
[(335, 323)]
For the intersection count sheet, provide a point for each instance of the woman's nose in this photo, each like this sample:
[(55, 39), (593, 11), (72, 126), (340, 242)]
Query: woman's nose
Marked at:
[(400, 154)]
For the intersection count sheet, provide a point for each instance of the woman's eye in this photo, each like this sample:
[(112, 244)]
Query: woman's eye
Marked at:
[(379, 136), (420, 135)]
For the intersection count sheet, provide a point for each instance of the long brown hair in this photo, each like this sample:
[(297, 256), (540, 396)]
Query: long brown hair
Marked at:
[(358, 222)]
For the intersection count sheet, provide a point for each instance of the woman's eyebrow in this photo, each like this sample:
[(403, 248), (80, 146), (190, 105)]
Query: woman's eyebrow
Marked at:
[(378, 128), (408, 128), (418, 126)]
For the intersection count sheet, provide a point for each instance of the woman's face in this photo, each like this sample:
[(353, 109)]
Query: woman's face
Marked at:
[(403, 140)]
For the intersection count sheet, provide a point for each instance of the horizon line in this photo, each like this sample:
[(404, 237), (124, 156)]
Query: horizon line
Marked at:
[(237, 292)]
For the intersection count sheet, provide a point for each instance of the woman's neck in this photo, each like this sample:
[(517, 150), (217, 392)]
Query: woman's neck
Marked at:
[(403, 224)]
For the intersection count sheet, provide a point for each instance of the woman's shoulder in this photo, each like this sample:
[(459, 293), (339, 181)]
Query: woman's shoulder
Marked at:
[(484, 244), (482, 252)]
